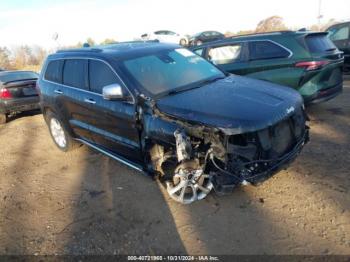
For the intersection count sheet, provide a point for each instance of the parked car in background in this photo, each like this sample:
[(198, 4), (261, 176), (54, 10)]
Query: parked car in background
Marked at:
[(204, 37), (166, 36), (340, 35), (306, 61), (146, 105), (17, 93)]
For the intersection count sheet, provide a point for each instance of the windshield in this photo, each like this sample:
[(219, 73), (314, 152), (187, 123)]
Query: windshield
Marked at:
[(15, 76), (169, 70)]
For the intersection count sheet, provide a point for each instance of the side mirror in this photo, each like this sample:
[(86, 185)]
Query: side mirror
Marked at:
[(113, 92)]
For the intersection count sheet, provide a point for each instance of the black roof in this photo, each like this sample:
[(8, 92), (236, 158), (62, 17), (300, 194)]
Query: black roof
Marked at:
[(118, 50)]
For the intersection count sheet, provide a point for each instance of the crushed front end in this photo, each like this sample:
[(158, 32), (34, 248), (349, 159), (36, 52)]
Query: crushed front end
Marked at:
[(201, 159), (255, 156)]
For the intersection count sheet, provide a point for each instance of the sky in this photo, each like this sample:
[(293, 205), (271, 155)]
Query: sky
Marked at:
[(35, 22)]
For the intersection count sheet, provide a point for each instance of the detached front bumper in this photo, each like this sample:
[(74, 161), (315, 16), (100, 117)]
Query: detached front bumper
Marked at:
[(324, 95), (19, 105)]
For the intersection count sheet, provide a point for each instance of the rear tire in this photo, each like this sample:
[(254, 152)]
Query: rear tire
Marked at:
[(63, 140), (3, 119)]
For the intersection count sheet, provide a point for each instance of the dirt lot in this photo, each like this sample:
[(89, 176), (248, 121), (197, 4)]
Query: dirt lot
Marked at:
[(85, 203)]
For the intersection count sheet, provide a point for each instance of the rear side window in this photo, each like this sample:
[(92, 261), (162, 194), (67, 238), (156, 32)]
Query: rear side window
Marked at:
[(225, 54), (74, 73), (54, 71), (319, 43), (100, 75), (259, 50)]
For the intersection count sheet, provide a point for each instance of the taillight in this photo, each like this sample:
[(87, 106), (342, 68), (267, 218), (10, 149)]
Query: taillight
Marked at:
[(312, 65), (37, 88), (5, 94)]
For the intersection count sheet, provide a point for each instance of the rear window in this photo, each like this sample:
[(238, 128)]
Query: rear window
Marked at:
[(54, 71), (74, 73), (16, 76), (259, 50), (100, 75), (319, 43)]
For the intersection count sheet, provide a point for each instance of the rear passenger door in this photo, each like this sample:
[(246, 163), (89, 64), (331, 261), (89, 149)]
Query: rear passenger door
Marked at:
[(69, 87), (271, 62), (114, 122)]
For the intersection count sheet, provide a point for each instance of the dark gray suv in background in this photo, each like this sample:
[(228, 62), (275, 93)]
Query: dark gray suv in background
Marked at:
[(163, 110)]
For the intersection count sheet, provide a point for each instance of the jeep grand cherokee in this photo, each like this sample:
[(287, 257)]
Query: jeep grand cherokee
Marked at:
[(167, 112)]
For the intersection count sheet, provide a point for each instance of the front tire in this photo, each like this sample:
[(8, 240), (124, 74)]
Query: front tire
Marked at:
[(183, 42), (59, 134), (3, 119)]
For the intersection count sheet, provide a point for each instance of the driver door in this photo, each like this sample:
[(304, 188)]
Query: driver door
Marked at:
[(114, 122)]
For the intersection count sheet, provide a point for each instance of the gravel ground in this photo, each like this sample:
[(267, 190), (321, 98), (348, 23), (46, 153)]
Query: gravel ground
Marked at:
[(85, 203)]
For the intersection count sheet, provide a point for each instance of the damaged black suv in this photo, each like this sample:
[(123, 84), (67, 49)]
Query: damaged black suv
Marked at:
[(163, 110)]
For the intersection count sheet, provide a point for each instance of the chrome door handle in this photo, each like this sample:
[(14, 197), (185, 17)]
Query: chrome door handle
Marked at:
[(89, 100), (57, 91)]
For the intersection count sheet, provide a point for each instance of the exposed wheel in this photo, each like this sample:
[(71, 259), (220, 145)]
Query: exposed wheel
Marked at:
[(199, 42), (183, 42), (189, 183), (58, 133), (3, 119)]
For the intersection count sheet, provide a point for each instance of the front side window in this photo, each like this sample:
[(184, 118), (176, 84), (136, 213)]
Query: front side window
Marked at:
[(339, 33), (168, 70), (100, 75), (259, 50), (199, 51), (74, 73), (225, 54)]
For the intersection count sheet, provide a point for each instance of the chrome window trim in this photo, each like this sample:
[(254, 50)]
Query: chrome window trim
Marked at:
[(79, 89), (247, 41)]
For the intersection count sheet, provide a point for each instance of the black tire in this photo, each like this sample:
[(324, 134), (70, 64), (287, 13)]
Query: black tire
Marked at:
[(183, 42), (3, 119), (70, 144)]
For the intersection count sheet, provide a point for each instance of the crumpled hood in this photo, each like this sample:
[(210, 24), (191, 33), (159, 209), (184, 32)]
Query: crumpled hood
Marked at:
[(235, 104)]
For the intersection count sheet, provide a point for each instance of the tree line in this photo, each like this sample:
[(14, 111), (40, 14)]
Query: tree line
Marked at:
[(31, 57)]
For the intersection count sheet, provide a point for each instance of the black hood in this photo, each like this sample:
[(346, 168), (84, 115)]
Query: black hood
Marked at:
[(234, 104)]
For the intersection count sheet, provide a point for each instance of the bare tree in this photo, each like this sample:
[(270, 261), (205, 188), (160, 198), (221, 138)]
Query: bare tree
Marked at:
[(323, 26), (270, 24), (4, 58), (108, 41)]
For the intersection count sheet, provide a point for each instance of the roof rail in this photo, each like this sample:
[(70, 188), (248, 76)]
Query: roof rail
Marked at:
[(264, 33), (84, 49), (99, 48)]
